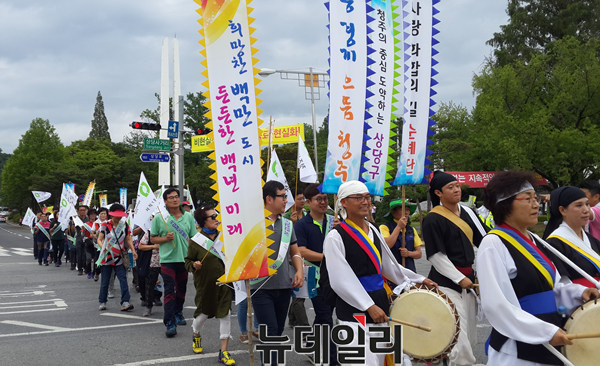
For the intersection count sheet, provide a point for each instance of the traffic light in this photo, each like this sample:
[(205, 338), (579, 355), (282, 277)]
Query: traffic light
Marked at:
[(203, 131), (145, 126)]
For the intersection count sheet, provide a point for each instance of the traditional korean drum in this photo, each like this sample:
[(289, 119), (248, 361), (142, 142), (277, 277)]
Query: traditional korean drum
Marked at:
[(585, 319), (431, 308)]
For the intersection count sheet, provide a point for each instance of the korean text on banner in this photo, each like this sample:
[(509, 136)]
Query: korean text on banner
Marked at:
[(418, 56), (305, 165), (275, 172), (227, 46), (89, 193), (146, 204), (347, 91), (281, 135), (123, 197), (380, 84), (103, 198)]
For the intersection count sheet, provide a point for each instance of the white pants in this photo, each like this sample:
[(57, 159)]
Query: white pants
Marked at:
[(224, 325), (466, 306)]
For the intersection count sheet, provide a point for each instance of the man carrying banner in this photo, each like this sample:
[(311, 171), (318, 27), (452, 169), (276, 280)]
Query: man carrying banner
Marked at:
[(450, 231), (76, 230), (311, 231), (271, 295), (356, 259), (37, 219), (173, 231), (58, 239)]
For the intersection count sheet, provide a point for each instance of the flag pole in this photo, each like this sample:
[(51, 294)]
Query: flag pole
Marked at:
[(250, 323), (403, 231)]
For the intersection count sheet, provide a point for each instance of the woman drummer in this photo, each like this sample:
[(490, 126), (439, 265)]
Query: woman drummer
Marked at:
[(211, 300), (519, 285), (569, 213)]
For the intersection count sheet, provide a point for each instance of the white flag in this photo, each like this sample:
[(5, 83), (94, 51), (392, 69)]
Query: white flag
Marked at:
[(41, 196), (68, 199), (276, 173), (307, 169), (146, 204), (28, 218)]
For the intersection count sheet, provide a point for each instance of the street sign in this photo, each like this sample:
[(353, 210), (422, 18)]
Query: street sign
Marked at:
[(155, 158), (157, 144), (173, 130)]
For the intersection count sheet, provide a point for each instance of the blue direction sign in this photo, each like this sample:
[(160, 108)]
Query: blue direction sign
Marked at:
[(155, 158), (173, 130)]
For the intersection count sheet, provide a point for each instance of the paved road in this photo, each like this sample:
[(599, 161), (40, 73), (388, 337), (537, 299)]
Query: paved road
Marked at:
[(49, 316)]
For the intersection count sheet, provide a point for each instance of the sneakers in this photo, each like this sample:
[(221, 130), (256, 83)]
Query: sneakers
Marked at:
[(102, 306), (96, 277), (147, 312), (244, 338), (225, 359), (111, 295), (90, 275), (126, 306), (255, 333), (197, 344), (171, 330), (179, 319)]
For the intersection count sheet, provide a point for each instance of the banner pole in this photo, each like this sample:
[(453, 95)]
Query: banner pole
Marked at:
[(250, 322), (403, 231)]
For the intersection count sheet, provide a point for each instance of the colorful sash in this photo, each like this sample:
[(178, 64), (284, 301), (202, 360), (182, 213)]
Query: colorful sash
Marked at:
[(43, 230), (88, 228), (530, 253), (112, 245), (57, 229), (583, 253), (364, 242), (286, 237), (177, 228), (213, 247), (456, 220)]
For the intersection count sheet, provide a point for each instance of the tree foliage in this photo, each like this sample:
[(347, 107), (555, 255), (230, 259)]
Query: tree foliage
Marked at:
[(99, 123), (533, 24)]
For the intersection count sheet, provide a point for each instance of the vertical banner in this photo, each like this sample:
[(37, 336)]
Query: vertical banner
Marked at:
[(275, 172), (146, 203), (71, 186), (123, 197), (380, 81), (89, 193), (419, 23), (308, 174), (347, 91), (227, 46), (68, 200), (103, 198)]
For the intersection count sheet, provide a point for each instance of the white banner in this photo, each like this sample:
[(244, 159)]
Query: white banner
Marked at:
[(347, 92), (28, 218), (275, 172), (68, 200), (41, 196), (381, 79), (419, 25), (228, 48), (146, 204), (123, 197), (305, 165), (89, 193)]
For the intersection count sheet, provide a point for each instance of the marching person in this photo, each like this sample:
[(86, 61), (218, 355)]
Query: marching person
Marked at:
[(172, 233), (211, 300), (450, 231), (311, 231), (271, 295), (78, 252), (42, 238), (520, 287), (58, 239), (569, 213), (114, 239), (392, 233), (356, 259)]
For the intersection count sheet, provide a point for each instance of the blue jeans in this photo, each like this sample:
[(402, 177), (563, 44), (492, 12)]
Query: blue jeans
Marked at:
[(242, 314), (105, 280)]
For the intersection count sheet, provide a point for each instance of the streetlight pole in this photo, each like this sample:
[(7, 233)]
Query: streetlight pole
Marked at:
[(317, 80)]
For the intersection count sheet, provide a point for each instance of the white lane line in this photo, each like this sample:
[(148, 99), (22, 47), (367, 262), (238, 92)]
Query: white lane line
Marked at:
[(29, 311), (30, 302), (126, 316), (15, 294), (33, 325), (157, 361), (66, 330), (483, 325)]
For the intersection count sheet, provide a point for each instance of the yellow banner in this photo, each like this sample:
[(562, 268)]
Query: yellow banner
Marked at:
[(281, 135), (103, 200)]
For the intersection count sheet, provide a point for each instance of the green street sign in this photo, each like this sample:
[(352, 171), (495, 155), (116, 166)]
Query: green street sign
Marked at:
[(157, 144)]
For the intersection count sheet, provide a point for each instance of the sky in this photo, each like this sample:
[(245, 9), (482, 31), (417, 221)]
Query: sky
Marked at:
[(56, 55)]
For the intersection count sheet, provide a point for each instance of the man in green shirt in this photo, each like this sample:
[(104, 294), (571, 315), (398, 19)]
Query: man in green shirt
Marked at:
[(173, 233)]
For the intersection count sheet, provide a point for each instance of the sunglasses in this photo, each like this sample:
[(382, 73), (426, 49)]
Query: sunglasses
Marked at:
[(213, 216)]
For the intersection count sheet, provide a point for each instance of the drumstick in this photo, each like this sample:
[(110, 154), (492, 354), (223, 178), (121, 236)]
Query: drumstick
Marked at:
[(408, 324), (583, 335)]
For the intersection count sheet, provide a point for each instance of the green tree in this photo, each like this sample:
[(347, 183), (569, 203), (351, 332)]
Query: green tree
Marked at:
[(38, 155), (99, 123), (453, 139), (541, 115), (533, 24)]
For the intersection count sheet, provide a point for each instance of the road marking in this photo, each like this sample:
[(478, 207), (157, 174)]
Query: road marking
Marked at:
[(483, 325), (17, 294), (157, 361), (66, 330), (28, 302), (4, 253), (126, 316), (33, 325), (30, 311), (22, 251)]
